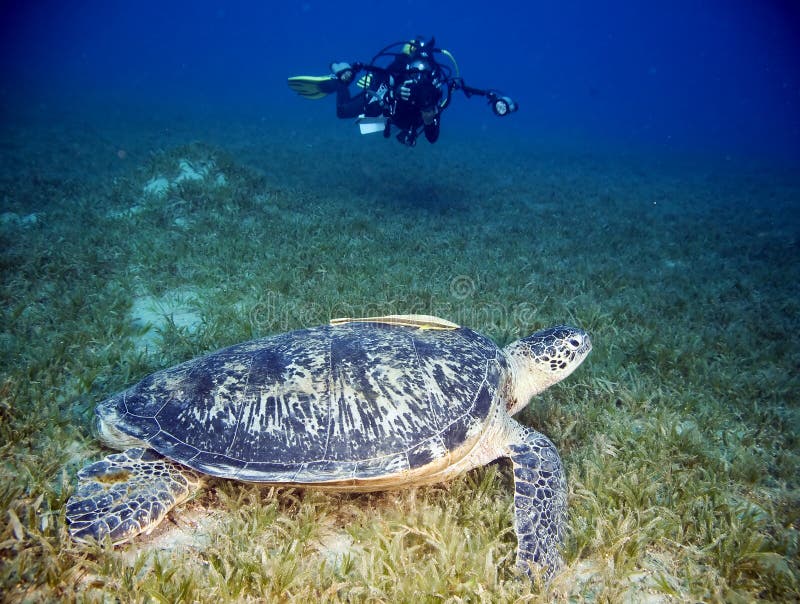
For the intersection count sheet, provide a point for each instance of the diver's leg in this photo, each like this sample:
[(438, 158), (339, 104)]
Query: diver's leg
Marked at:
[(347, 106)]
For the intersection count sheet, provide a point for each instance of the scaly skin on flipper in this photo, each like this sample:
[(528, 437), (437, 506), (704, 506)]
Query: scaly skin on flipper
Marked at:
[(126, 493), (540, 502)]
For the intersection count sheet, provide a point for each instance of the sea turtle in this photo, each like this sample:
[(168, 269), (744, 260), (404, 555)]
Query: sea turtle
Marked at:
[(358, 404)]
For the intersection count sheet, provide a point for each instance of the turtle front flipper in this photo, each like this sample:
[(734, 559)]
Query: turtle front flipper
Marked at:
[(540, 502), (127, 493)]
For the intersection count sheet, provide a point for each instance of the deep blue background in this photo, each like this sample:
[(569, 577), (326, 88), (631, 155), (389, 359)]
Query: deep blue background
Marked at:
[(716, 76)]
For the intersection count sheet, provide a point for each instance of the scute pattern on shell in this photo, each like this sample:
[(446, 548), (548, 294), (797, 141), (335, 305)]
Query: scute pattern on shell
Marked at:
[(358, 400)]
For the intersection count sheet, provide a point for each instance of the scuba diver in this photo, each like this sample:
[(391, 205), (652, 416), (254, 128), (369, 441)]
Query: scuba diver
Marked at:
[(409, 93)]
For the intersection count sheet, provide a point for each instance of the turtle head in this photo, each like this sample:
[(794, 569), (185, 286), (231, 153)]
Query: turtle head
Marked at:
[(542, 359)]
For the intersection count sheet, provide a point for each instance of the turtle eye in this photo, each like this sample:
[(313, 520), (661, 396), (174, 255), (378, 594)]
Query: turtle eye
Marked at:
[(575, 342)]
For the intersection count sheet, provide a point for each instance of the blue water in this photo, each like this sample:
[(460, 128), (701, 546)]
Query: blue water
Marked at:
[(716, 77)]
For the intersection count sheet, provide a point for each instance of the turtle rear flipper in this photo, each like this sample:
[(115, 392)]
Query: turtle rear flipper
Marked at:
[(540, 502), (127, 493)]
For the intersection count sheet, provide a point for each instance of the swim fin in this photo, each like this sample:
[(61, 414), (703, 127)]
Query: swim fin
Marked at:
[(314, 87)]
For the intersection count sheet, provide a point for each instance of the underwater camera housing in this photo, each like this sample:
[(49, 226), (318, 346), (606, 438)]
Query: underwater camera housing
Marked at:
[(425, 94)]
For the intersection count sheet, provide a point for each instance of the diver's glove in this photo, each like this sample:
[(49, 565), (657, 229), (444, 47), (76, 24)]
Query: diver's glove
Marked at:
[(343, 71), (405, 90)]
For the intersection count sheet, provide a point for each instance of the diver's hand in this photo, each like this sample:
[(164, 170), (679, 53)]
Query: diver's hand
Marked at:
[(405, 90), (343, 71)]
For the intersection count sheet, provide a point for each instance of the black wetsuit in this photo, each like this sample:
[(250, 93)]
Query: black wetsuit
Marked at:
[(405, 115)]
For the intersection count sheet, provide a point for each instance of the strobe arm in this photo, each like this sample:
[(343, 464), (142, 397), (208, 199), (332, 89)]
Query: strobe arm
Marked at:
[(501, 104)]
